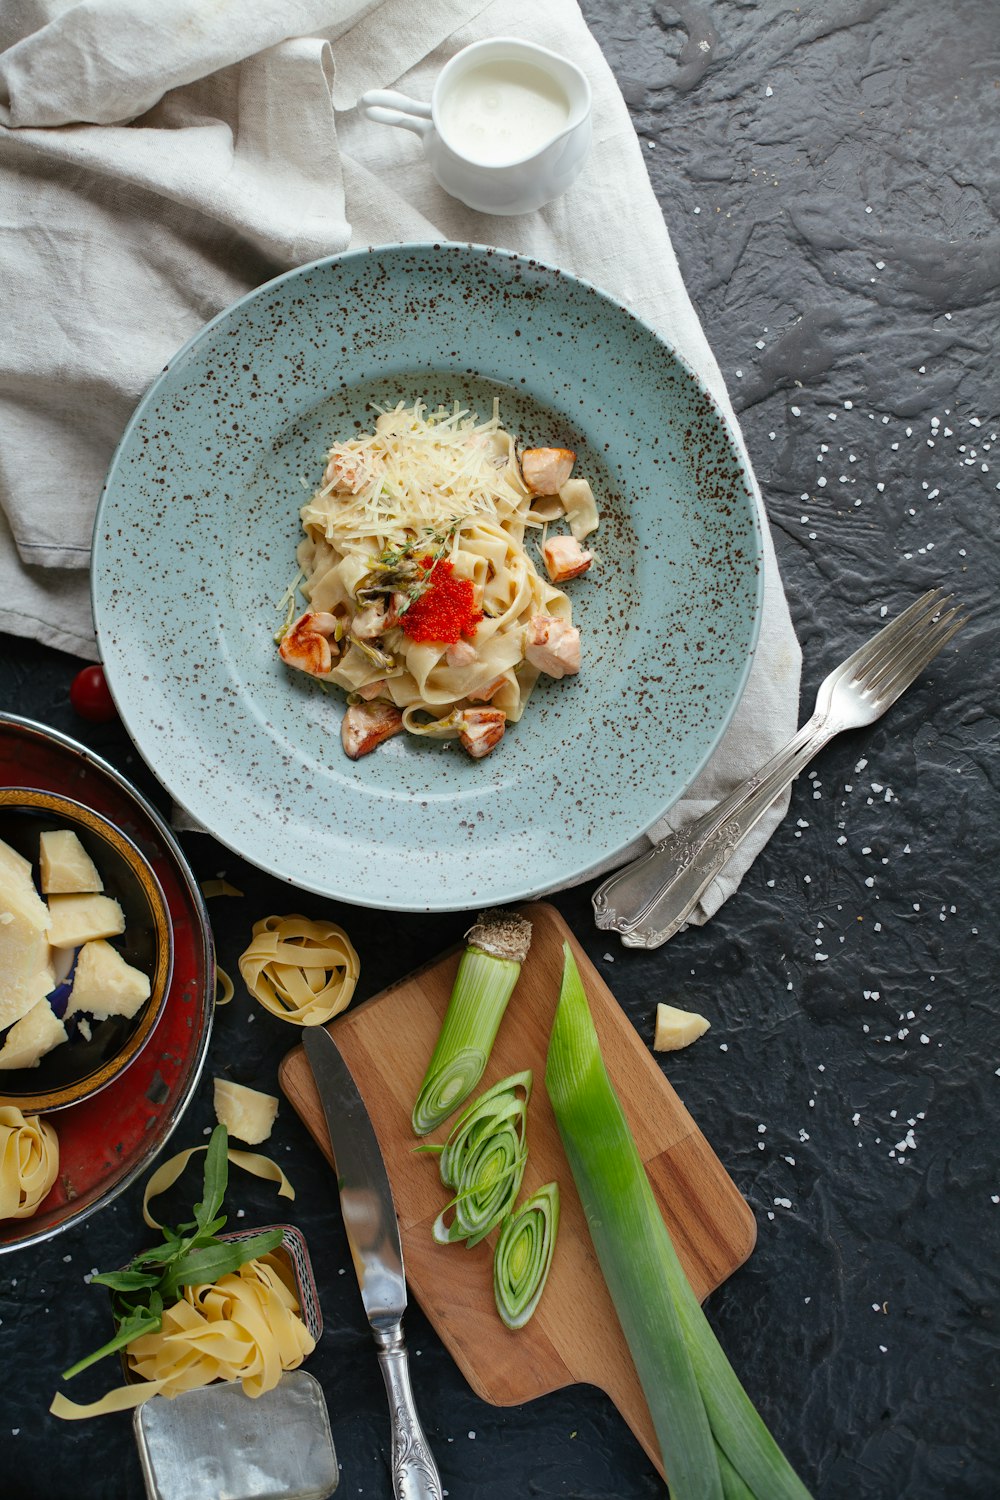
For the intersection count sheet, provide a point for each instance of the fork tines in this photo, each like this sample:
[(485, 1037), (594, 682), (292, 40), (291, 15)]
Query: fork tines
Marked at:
[(905, 647)]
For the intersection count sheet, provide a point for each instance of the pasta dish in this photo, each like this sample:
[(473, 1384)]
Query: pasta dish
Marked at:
[(423, 603)]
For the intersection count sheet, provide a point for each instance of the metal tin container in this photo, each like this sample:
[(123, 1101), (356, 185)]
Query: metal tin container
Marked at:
[(217, 1442)]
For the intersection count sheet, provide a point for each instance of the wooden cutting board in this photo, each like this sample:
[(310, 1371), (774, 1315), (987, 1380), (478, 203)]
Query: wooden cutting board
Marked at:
[(574, 1335)]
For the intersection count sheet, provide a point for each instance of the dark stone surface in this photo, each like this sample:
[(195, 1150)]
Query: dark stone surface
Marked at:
[(864, 1324)]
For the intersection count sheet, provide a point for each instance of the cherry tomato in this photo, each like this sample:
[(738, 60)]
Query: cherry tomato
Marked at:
[(91, 697)]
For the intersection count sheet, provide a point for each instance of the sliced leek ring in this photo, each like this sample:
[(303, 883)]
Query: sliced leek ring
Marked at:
[(483, 1162), (523, 1256)]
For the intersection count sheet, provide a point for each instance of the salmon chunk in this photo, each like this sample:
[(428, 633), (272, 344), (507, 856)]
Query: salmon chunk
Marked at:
[(484, 694), (366, 725), (565, 558), (546, 470), (306, 644), (461, 654), (482, 730), (553, 646)]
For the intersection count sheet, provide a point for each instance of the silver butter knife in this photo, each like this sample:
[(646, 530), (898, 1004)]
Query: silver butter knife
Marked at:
[(373, 1235)]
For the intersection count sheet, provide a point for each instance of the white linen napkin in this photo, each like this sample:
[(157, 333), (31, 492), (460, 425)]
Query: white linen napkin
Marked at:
[(157, 163)]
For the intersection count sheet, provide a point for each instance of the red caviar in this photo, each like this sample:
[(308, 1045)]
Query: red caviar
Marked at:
[(446, 611)]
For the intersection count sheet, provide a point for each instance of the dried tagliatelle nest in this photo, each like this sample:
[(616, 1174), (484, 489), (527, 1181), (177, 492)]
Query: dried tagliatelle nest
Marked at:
[(301, 970), (29, 1162), (246, 1326)]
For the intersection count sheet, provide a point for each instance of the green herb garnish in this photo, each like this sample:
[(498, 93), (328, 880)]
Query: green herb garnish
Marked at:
[(190, 1255), (401, 570)]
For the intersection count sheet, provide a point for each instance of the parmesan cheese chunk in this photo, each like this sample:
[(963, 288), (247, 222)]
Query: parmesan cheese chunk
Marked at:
[(31, 1037), (14, 864), (246, 1113), (65, 864), (25, 975), (105, 985), (78, 919), (677, 1028)]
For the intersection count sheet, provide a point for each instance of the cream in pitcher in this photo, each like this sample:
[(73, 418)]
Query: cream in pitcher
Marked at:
[(508, 126), (503, 111)]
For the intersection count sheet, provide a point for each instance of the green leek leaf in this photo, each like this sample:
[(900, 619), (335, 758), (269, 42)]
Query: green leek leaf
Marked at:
[(628, 1234), (667, 1332)]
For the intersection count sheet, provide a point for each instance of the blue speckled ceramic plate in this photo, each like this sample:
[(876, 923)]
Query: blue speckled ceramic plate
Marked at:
[(195, 543)]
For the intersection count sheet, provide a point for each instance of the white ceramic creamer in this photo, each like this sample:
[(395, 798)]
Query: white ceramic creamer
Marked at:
[(508, 126)]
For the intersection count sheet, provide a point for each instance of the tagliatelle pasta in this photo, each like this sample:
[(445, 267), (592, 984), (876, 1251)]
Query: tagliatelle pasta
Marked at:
[(29, 1162), (251, 1161), (218, 887), (301, 970), (245, 1326), (424, 604), (225, 989)]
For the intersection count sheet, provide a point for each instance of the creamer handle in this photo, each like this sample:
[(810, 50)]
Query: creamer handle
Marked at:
[(386, 107)]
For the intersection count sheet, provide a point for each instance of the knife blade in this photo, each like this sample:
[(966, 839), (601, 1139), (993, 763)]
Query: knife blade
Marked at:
[(373, 1236)]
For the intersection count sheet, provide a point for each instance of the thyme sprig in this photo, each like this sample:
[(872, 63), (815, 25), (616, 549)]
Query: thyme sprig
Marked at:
[(190, 1255), (400, 570)]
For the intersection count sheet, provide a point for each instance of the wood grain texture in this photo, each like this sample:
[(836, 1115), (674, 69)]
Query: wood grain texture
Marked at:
[(574, 1335)]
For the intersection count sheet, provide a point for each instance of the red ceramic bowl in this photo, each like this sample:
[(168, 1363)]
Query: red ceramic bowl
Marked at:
[(107, 1140)]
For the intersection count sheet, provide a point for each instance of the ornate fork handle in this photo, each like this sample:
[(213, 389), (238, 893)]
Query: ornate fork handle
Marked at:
[(650, 899), (414, 1472)]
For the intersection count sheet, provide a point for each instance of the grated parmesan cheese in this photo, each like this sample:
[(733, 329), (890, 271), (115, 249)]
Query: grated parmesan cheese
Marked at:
[(417, 471)]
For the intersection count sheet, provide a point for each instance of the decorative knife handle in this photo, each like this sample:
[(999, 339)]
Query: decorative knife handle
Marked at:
[(414, 1472)]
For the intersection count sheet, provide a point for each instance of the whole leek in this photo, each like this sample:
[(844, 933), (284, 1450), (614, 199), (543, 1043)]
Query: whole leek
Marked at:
[(523, 1255), (497, 946), (483, 1161), (691, 1389)]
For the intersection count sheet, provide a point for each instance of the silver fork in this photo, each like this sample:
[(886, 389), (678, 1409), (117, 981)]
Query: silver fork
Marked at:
[(650, 899)]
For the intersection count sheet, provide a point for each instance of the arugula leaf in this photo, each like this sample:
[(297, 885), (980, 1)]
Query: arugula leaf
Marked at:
[(216, 1177), (199, 1267), (189, 1255), (143, 1320), (128, 1280)]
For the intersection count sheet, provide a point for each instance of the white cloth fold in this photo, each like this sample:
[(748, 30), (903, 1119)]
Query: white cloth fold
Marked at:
[(155, 164)]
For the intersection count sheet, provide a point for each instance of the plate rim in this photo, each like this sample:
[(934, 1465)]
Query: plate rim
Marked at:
[(579, 873)]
